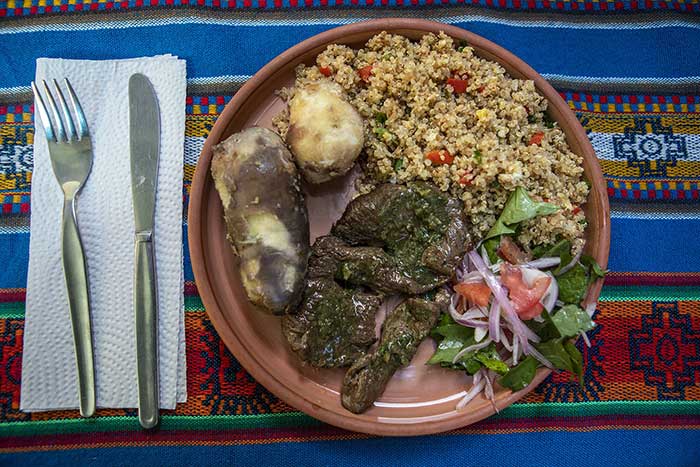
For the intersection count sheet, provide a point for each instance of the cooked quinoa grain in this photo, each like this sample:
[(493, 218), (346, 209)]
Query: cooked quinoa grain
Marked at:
[(435, 111)]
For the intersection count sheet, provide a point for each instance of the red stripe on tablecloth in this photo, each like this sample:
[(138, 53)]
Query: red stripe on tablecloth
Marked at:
[(645, 278), (190, 289), (13, 295)]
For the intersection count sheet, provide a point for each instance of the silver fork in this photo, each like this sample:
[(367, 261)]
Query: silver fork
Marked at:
[(71, 157)]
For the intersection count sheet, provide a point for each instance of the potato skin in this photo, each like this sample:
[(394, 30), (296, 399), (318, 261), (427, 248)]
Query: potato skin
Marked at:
[(325, 132), (266, 218)]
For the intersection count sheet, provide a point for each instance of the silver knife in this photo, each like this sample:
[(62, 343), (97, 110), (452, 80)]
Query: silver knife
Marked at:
[(144, 139)]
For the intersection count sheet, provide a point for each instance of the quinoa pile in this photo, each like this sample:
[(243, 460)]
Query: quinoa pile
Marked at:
[(435, 111)]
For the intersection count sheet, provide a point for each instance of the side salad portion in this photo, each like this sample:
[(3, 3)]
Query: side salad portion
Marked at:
[(512, 311)]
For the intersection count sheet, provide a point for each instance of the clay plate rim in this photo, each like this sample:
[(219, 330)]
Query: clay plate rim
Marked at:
[(597, 207)]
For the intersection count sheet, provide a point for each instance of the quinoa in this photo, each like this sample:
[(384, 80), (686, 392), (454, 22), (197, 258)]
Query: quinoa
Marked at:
[(412, 115)]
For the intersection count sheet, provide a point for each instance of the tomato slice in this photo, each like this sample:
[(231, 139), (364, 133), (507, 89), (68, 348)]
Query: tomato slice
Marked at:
[(526, 300), (477, 293)]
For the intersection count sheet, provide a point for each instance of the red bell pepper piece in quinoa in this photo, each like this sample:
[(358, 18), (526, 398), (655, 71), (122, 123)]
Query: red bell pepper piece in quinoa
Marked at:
[(440, 157), (365, 72)]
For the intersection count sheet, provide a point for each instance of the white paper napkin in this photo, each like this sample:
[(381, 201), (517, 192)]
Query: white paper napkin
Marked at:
[(105, 218)]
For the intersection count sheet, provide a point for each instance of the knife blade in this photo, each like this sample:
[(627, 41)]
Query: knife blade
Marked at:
[(144, 143)]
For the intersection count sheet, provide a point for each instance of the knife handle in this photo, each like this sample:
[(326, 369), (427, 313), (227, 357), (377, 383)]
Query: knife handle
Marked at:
[(75, 274), (146, 316)]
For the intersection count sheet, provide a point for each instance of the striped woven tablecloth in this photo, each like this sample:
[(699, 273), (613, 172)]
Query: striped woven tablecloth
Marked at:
[(630, 70)]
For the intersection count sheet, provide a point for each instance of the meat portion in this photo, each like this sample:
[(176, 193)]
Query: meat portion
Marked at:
[(266, 218), (334, 326), (403, 330), (417, 225), (367, 266), (396, 239)]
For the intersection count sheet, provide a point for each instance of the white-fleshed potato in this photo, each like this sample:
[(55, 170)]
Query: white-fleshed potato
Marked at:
[(266, 218), (325, 132)]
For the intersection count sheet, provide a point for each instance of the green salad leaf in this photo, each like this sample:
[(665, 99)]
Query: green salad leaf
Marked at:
[(576, 360), (452, 338), (570, 320), (490, 358), (573, 284), (491, 247), (446, 351), (594, 270), (545, 330), (562, 247), (555, 352), (520, 375), (519, 207)]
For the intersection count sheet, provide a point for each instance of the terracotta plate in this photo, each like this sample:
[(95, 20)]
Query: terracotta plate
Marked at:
[(420, 399)]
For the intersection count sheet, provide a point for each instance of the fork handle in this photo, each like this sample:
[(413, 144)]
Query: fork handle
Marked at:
[(146, 314), (75, 274)]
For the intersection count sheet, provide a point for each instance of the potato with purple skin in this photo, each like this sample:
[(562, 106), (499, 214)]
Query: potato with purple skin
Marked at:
[(266, 219), (325, 132)]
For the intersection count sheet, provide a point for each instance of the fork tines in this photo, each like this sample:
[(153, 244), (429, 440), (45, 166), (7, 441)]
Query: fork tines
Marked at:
[(59, 129)]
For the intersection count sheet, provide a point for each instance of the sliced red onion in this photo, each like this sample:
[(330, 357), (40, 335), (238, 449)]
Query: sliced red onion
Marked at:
[(480, 332), (495, 321), (590, 309), (474, 312), (471, 277), (485, 257), (471, 348), (499, 294), (585, 338), (466, 264), (473, 323), (571, 264), (488, 387), (452, 308), (516, 350), (549, 300), (543, 263), (559, 303), (476, 388), (506, 344), (540, 263)]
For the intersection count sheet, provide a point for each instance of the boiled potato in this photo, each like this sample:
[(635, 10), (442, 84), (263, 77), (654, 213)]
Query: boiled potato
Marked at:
[(325, 132), (266, 218)]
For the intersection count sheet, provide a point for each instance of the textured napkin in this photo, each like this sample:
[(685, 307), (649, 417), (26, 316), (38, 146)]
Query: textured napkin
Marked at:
[(105, 220)]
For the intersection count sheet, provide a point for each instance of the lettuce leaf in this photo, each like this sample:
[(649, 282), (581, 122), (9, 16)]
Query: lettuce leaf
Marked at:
[(573, 284), (520, 375), (490, 358), (555, 352), (576, 360), (519, 207), (570, 320), (452, 338)]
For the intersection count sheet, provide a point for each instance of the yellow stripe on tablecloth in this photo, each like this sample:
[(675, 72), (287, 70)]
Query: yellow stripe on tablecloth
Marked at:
[(688, 124), (682, 169)]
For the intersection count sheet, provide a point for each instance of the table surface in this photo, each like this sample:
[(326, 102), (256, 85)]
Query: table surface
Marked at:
[(630, 70)]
